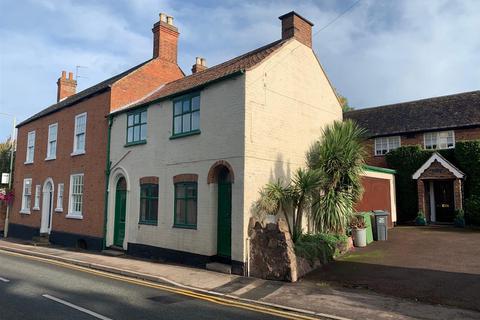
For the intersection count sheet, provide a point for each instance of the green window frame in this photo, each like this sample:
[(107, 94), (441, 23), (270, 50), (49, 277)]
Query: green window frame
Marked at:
[(136, 127), (186, 115), (186, 205), (148, 204)]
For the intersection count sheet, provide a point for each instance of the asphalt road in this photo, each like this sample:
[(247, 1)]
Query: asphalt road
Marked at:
[(31, 289)]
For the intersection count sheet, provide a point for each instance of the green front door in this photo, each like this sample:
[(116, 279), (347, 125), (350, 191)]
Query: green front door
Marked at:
[(224, 237), (120, 211)]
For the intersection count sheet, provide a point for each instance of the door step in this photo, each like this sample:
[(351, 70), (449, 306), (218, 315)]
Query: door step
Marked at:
[(114, 251), (41, 241), (219, 267)]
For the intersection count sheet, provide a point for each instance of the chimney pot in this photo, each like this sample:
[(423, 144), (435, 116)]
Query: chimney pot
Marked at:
[(170, 20), (203, 62), (70, 76), (296, 26), (163, 17), (64, 74)]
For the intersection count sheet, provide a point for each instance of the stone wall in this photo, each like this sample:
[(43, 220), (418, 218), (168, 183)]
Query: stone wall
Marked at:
[(272, 253)]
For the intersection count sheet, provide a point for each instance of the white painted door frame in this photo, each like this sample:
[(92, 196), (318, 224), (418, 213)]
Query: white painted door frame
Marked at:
[(433, 216), (47, 206)]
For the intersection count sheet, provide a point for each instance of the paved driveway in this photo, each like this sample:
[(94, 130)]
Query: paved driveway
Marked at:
[(431, 264)]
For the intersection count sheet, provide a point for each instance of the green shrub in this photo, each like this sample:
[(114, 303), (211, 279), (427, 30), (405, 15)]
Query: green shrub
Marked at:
[(472, 207), (321, 246), (420, 219)]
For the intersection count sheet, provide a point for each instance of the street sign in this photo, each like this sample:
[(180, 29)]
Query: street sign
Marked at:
[(5, 178)]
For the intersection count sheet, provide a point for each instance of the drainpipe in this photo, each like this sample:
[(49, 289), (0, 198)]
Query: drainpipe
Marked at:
[(107, 178)]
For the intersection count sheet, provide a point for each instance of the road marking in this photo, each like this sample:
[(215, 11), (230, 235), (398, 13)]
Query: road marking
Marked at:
[(211, 298), (71, 305), (4, 280)]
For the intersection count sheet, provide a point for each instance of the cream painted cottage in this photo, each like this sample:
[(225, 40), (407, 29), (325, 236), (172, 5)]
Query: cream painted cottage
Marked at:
[(187, 162)]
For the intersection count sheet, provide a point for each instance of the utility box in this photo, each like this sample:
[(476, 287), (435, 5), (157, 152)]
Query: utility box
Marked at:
[(380, 230)]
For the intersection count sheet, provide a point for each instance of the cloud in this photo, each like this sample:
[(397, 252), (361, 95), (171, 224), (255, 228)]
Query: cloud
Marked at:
[(380, 52)]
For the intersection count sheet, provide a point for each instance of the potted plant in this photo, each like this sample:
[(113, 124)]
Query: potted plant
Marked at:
[(459, 220), (420, 219), (359, 231)]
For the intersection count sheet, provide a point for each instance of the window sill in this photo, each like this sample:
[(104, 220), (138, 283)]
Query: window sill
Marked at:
[(28, 162), (184, 226), (148, 223), (24, 211), (36, 209), (58, 209), (77, 153), (135, 143), (49, 159), (74, 216), (186, 134)]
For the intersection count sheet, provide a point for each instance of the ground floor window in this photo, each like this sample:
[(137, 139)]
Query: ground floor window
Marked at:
[(76, 196), (27, 195), (36, 205), (186, 205), (148, 203), (59, 198)]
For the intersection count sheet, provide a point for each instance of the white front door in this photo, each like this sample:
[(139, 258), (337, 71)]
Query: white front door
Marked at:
[(47, 207)]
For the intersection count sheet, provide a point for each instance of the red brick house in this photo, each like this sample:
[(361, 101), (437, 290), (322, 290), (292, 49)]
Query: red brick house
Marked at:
[(434, 124), (62, 150)]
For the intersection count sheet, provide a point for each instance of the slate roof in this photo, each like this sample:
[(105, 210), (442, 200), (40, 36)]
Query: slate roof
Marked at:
[(241, 63), (446, 112), (81, 95)]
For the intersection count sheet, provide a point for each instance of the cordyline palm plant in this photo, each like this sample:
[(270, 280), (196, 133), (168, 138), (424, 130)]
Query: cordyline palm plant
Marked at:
[(291, 199), (339, 156), (327, 190)]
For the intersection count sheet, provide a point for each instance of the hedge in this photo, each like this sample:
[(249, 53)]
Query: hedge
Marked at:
[(406, 160)]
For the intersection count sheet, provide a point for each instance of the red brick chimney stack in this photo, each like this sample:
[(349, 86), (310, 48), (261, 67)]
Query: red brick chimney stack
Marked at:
[(66, 87), (165, 39), (200, 65), (296, 26)]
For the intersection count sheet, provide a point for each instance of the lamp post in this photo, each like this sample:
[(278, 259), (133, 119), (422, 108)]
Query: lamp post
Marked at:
[(12, 150)]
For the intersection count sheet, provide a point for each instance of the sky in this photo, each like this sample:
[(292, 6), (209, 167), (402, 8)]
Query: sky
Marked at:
[(379, 52)]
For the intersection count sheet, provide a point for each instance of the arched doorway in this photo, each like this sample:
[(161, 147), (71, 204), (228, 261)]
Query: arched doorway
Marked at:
[(120, 212), (222, 173), (47, 207)]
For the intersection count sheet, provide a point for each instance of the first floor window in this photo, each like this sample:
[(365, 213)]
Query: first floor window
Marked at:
[(186, 114), (27, 195), (60, 198), (30, 147), (76, 195), (137, 126), (52, 141), (384, 145), (148, 203), (439, 140), (186, 204), (36, 205), (80, 132)]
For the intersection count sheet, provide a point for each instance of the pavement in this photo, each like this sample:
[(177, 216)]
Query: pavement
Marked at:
[(310, 296)]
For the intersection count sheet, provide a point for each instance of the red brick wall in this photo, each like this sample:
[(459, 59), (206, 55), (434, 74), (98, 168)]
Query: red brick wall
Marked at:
[(92, 164), (414, 139), (143, 81), (376, 196)]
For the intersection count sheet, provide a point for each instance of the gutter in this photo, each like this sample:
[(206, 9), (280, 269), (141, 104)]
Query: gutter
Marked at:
[(107, 179)]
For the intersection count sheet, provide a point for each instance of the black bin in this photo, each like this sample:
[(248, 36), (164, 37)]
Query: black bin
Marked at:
[(380, 230)]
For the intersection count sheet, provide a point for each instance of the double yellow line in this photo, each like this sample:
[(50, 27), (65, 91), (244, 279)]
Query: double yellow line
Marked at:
[(184, 292)]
